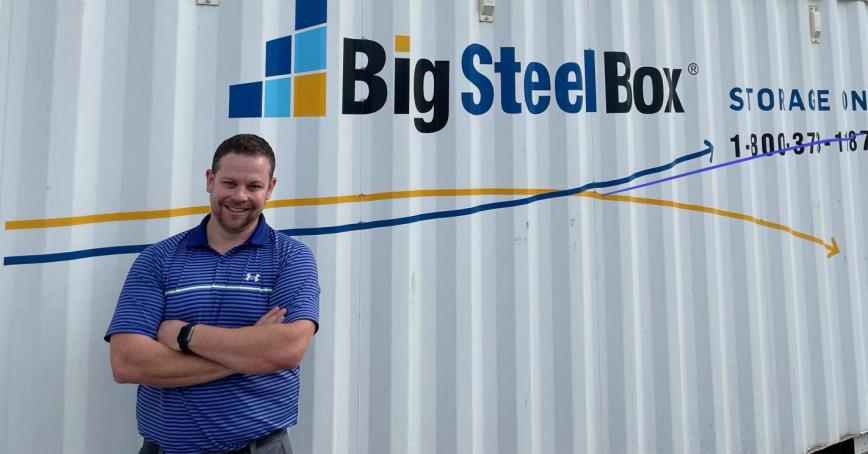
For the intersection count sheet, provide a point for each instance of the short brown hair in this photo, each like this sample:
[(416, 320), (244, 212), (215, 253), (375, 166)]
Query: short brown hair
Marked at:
[(244, 144)]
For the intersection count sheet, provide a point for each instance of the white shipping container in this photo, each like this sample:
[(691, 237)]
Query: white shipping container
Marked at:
[(719, 312)]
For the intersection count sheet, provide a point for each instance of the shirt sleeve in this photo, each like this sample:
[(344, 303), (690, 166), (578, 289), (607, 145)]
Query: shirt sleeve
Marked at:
[(297, 286), (142, 300)]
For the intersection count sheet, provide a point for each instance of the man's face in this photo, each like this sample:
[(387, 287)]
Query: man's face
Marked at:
[(239, 190)]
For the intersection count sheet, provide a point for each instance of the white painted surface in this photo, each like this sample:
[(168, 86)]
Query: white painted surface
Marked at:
[(571, 325)]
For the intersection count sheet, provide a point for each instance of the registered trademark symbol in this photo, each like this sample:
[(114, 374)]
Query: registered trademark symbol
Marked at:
[(693, 69)]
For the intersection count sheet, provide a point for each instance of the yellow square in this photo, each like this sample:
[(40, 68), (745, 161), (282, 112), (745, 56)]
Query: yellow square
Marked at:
[(402, 43), (309, 93)]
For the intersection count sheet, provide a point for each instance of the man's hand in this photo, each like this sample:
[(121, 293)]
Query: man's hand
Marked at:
[(168, 332), (275, 315)]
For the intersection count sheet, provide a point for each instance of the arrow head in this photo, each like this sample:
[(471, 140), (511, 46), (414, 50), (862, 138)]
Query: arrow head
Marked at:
[(710, 150), (833, 248)]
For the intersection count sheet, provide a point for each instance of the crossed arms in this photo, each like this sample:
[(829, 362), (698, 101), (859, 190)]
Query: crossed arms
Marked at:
[(265, 347)]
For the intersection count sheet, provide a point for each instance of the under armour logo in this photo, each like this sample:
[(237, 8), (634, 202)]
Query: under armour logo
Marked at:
[(252, 277)]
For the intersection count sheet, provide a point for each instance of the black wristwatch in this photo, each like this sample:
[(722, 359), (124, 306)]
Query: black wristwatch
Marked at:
[(184, 336)]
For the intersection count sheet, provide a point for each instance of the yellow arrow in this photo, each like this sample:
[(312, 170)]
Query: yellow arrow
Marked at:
[(831, 248), (356, 198)]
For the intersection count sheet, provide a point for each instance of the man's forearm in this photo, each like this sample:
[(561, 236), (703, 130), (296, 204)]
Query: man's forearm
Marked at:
[(255, 349), (141, 360)]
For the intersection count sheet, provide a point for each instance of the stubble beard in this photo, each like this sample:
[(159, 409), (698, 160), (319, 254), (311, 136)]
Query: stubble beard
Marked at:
[(223, 219)]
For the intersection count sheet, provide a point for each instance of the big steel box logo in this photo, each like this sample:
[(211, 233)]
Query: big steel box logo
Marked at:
[(295, 76), (570, 88)]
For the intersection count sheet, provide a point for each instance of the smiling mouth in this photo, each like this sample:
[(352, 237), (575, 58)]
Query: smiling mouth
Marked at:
[(237, 210)]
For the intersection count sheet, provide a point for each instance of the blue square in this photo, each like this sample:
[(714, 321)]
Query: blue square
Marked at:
[(278, 56), (245, 100), (277, 97), (310, 50), (309, 13)]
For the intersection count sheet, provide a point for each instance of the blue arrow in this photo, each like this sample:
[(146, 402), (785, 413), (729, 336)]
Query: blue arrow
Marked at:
[(709, 150)]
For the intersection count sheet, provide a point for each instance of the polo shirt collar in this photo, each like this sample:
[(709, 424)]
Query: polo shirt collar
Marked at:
[(198, 236), (260, 235)]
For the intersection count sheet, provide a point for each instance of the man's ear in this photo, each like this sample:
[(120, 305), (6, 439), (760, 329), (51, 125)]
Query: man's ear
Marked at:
[(209, 180), (271, 185)]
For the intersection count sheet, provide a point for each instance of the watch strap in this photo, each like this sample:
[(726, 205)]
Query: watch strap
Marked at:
[(184, 336)]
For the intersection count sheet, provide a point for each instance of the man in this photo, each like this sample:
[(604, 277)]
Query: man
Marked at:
[(212, 323)]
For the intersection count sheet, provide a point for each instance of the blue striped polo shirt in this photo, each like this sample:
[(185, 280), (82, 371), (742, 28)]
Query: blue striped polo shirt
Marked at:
[(182, 278)]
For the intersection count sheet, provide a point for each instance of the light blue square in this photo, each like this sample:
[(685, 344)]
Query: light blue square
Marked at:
[(277, 97), (310, 50)]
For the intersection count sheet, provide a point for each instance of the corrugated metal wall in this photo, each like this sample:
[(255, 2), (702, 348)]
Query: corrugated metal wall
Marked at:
[(569, 325)]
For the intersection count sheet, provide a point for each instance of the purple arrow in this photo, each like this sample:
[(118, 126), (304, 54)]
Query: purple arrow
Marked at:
[(737, 161)]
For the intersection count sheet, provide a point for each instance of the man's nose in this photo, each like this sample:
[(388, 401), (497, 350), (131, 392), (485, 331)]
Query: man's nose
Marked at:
[(239, 194)]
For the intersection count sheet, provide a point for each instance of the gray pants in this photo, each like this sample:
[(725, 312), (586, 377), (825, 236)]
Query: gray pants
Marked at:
[(269, 445)]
